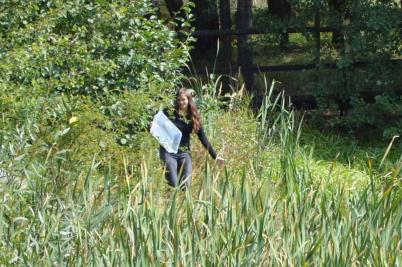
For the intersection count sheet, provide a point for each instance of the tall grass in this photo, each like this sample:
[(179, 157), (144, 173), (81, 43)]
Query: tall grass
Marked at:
[(274, 210)]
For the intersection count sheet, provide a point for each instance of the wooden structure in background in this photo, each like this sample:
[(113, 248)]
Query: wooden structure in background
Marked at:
[(244, 29)]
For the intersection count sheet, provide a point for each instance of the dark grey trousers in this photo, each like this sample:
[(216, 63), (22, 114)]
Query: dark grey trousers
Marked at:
[(178, 167)]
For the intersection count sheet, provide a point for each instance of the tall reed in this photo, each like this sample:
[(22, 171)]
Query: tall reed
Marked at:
[(67, 215)]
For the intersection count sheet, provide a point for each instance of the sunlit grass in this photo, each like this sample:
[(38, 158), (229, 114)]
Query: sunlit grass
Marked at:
[(277, 202)]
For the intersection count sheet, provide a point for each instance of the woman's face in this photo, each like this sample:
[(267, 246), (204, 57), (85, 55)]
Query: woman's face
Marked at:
[(182, 102)]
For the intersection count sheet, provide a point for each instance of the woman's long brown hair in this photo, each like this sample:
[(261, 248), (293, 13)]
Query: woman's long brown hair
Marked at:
[(192, 109)]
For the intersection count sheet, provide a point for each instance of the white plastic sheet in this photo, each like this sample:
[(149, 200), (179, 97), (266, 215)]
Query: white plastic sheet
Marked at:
[(167, 134)]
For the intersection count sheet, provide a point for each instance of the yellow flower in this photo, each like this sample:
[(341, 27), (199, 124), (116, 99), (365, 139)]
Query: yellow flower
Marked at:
[(72, 120)]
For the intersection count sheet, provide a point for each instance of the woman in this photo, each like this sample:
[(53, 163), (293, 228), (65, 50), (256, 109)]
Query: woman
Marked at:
[(187, 119)]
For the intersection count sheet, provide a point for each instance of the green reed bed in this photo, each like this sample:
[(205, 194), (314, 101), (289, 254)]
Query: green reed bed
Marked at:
[(223, 223), (280, 207)]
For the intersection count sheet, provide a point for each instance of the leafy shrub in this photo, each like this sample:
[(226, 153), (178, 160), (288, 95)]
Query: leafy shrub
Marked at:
[(86, 75), (89, 48), (368, 31)]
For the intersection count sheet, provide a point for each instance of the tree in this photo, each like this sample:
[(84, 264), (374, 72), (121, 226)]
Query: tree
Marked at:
[(226, 48), (174, 6), (225, 24), (282, 10), (244, 55), (206, 18), (112, 58), (337, 9)]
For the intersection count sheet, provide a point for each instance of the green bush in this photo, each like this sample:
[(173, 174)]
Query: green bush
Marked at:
[(367, 96), (106, 64), (81, 47)]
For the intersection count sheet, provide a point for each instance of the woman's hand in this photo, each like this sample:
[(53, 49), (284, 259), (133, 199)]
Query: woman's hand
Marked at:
[(220, 161)]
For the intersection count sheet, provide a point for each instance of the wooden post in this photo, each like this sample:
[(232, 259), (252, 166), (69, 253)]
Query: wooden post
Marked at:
[(225, 24), (226, 41), (317, 52), (317, 34), (256, 31), (206, 18), (244, 55)]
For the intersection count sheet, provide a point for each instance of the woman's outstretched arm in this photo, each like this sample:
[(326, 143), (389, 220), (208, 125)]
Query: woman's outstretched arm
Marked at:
[(204, 140)]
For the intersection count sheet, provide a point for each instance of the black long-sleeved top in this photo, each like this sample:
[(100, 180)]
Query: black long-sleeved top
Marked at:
[(185, 125)]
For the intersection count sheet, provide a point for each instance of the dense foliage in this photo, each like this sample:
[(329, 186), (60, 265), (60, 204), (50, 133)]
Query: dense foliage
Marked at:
[(73, 68), (366, 32), (78, 84), (369, 97)]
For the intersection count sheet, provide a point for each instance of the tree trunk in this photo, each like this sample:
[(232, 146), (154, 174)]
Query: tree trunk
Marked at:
[(338, 9), (317, 35), (225, 24), (206, 18), (226, 41), (244, 55), (282, 10), (173, 6)]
